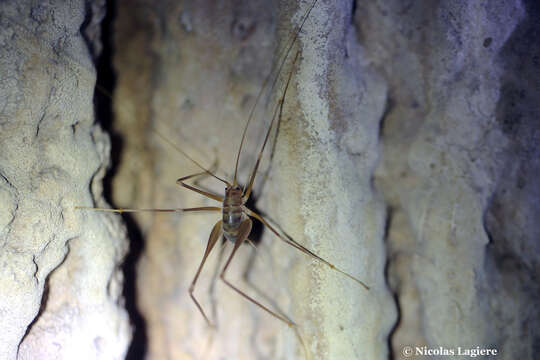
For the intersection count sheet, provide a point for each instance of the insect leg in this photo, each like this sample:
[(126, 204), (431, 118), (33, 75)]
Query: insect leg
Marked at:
[(177, 148), (214, 236), (212, 288), (192, 188), (212, 169), (119, 211), (243, 232), (295, 244)]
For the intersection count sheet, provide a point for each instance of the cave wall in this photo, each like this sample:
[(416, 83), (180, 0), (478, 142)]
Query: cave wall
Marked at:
[(403, 156), (406, 156), (458, 158), (60, 282)]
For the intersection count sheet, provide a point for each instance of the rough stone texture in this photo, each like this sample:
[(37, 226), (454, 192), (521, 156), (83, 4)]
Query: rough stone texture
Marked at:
[(454, 86), (327, 153), (460, 155), (60, 285), (191, 71)]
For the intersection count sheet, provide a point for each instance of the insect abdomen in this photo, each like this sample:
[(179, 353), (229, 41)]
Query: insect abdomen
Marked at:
[(232, 213)]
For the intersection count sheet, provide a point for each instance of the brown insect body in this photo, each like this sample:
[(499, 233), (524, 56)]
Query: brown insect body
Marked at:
[(232, 212)]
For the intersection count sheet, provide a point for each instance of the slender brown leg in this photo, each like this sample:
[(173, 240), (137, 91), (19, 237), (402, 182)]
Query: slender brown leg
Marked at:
[(213, 302), (212, 169), (300, 247), (212, 288), (257, 288), (214, 236), (186, 155), (261, 293), (119, 211), (192, 188), (243, 232)]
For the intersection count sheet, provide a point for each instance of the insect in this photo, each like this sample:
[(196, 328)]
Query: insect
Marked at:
[(236, 218)]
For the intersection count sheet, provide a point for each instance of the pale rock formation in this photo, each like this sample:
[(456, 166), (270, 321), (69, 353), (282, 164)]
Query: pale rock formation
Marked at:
[(406, 155), (459, 159), (60, 282)]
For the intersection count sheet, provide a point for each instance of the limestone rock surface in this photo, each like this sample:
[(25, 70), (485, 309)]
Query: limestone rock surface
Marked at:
[(406, 155), (459, 159), (60, 282)]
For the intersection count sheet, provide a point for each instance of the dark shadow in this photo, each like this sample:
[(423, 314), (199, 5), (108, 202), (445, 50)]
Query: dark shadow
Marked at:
[(387, 273), (139, 342), (106, 81), (257, 229), (512, 256)]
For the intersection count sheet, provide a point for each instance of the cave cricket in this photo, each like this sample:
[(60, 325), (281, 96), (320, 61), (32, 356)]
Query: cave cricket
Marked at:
[(235, 224)]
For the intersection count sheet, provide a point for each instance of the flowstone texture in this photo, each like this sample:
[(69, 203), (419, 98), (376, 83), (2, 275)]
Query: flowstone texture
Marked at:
[(60, 282), (459, 169), (188, 75), (406, 155), (327, 152)]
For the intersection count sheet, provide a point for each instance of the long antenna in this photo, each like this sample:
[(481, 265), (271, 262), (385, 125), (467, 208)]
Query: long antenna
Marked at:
[(283, 60), (177, 148), (173, 145), (277, 113)]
